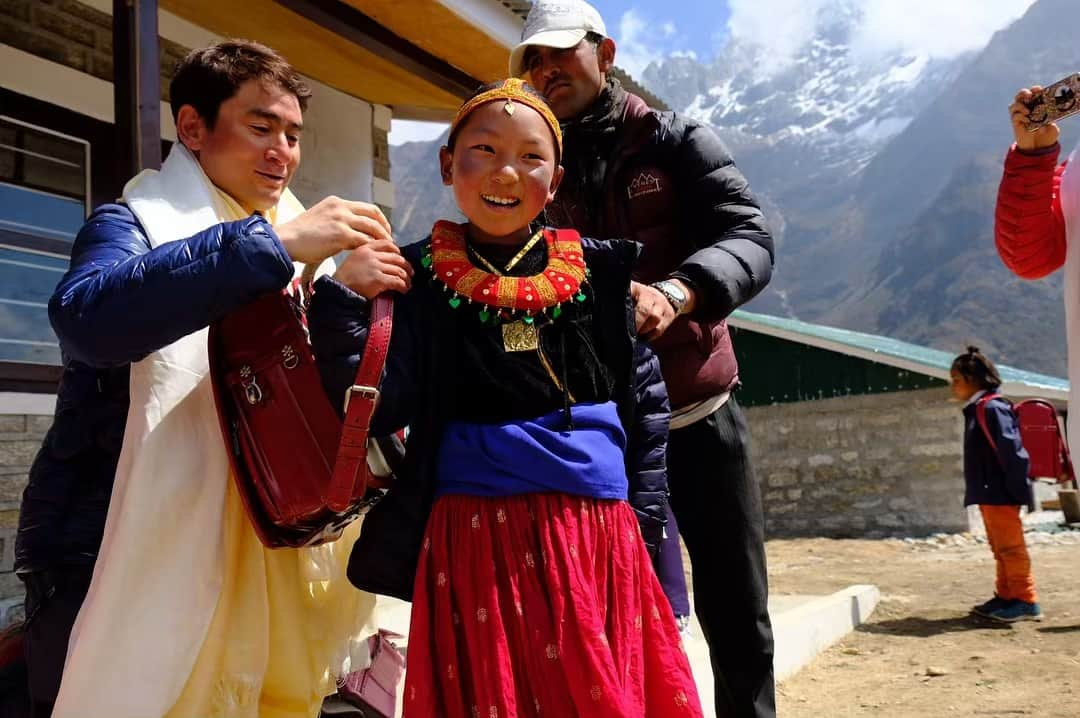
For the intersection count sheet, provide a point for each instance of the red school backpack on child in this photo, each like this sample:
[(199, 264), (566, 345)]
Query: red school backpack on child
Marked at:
[(302, 473), (1040, 432)]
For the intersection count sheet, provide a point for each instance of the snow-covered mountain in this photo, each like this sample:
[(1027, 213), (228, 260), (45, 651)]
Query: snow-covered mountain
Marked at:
[(832, 99)]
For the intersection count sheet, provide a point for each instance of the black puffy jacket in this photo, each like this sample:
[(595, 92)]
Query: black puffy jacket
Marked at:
[(415, 390), (119, 301), (667, 182)]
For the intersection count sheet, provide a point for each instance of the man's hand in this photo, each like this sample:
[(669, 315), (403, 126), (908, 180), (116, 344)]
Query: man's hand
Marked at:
[(375, 267), (653, 313), (331, 226), (1041, 138)]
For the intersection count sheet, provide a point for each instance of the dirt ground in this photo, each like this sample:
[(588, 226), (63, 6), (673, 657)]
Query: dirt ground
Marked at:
[(921, 653)]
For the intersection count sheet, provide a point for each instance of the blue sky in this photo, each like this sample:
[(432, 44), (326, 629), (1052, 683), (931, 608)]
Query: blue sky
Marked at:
[(645, 28)]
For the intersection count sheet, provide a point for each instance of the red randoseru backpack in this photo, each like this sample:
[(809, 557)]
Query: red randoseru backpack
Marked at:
[(302, 472), (1040, 432)]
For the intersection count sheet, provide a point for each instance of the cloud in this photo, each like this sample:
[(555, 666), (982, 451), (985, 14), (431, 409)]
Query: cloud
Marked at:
[(782, 27), (636, 44), (939, 28), (402, 131), (935, 27)]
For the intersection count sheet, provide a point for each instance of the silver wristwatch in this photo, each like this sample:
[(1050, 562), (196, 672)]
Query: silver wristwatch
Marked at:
[(673, 293)]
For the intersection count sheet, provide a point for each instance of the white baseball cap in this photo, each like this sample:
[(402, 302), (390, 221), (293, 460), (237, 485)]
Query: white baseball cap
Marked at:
[(556, 23)]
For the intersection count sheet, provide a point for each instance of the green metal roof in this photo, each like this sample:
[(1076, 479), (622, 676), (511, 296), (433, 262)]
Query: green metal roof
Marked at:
[(893, 352)]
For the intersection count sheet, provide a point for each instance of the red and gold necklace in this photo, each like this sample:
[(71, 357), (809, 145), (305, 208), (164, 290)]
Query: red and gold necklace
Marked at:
[(559, 282)]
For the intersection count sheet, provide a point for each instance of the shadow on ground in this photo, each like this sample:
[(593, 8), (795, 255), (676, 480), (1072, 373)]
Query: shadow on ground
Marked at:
[(1059, 629), (920, 627)]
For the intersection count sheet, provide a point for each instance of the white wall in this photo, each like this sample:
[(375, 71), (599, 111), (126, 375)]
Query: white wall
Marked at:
[(336, 148)]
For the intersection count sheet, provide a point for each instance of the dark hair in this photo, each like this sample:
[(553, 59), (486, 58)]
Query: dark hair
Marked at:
[(492, 86), (977, 369), (207, 77), (594, 38)]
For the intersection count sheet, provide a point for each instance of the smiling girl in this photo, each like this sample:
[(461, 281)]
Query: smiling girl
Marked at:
[(538, 427)]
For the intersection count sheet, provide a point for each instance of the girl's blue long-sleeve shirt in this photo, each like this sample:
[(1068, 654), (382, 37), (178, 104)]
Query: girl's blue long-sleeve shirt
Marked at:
[(997, 474)]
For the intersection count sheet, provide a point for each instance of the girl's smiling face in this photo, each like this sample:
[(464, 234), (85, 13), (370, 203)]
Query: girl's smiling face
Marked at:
[(503, 170)]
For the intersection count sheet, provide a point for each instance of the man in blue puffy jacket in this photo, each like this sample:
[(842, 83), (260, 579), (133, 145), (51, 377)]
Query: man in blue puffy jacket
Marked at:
[(238, 108)]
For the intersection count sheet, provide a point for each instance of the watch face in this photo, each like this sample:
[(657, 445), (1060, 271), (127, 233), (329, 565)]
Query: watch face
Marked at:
[(676, 291)]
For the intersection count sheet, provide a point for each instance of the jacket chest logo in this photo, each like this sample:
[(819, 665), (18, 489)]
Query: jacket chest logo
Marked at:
[(645, 183)]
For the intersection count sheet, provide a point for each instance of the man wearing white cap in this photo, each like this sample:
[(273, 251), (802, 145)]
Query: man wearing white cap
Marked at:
[(668, 182)]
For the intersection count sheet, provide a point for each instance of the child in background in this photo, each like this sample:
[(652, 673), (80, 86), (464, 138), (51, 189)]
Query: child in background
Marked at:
[(996, 478), (538, 428)]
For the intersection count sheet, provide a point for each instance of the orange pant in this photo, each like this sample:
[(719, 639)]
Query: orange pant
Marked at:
[(1005, 532)]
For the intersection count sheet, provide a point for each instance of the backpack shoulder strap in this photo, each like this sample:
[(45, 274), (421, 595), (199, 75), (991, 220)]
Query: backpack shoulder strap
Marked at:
[(360, 402), (980, 418)]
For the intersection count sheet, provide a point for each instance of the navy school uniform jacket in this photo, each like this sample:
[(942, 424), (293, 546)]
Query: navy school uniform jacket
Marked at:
[(995, 476)]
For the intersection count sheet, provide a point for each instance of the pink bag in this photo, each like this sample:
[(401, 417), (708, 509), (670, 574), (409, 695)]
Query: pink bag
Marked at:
[(375, 687)]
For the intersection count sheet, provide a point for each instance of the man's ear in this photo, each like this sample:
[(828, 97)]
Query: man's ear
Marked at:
[(556, 180), (446, 165), (605, 53), (191, 128)]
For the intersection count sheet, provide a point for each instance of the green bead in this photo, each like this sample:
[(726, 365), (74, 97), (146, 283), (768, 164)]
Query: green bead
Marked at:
[(527, 319), (485, 315), (580, 296), (455, 302), (556, 311), (426, 261)]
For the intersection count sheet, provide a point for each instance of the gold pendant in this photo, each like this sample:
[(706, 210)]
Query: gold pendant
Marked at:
[(520, 337)]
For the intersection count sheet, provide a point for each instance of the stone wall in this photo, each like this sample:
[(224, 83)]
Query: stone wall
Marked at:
[(73, 34), (20, 438), (884, 464), (380, 139), (381, 159)]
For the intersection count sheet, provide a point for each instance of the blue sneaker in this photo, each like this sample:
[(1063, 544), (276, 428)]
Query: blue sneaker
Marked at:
[(985, 609), (1017, 610)]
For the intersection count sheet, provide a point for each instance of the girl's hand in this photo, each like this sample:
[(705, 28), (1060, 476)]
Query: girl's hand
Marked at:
[(374, 268), (1045, 136)]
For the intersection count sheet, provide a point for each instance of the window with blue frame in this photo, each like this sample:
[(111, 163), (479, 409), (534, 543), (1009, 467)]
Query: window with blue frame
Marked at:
[(44, 191)]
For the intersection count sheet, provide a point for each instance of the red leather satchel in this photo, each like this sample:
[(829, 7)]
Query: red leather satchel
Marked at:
[(302, 474)]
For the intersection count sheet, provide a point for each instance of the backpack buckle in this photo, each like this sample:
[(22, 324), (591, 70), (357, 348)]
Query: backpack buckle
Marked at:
[(365, 392)]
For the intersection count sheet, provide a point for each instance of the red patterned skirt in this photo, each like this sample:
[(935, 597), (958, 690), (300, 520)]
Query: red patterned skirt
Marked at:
[(541, 605)]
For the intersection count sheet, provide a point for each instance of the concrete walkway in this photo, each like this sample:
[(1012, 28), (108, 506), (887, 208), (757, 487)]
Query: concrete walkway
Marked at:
[(803, 626)]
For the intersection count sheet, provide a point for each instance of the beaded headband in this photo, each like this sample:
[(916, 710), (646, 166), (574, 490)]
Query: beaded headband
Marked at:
[(511, 90)]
